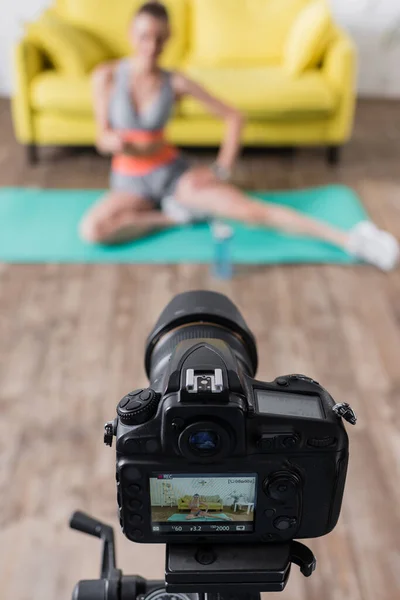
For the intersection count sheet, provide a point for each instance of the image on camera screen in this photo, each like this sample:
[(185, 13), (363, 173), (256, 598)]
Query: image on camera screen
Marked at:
[(217, 503)]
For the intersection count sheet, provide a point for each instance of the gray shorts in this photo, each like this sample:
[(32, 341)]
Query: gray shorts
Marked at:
[(157, 185)]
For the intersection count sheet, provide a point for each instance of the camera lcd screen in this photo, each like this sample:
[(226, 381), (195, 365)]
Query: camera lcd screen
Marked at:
[(295, 405), (217, 503)]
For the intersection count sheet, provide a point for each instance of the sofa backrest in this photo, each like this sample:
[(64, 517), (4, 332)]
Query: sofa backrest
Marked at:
[(241, 32), (215, 499), (109, 19), (205, 32)]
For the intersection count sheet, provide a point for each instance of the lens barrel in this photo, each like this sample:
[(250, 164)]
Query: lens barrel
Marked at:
[(196, 315)]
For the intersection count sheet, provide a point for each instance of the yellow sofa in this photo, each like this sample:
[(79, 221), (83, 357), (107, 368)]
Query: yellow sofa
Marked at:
[(237, 48), (206, 502)]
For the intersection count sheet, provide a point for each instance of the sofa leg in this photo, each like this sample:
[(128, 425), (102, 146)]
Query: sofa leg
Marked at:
[(32, 155), (333, 155)]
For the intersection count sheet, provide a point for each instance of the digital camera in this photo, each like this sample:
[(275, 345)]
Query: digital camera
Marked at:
[(209, 454)]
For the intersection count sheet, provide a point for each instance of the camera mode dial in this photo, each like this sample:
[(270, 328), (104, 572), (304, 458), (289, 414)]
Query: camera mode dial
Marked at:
[(138, 406)]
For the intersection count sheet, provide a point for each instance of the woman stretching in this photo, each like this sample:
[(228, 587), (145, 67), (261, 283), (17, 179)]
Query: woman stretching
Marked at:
[(199, 509), (153, 187)]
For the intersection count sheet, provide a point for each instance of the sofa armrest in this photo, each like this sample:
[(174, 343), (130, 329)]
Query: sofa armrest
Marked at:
[(339, 68), (28, 62), (71, 49), (339, 65)]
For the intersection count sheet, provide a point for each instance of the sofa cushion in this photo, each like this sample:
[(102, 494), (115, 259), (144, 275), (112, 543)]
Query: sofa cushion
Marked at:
[(51, 91), (55, 92), (241, 32), (265, 92), (109, 19), (309, 37), (260, 93), (72, 50)]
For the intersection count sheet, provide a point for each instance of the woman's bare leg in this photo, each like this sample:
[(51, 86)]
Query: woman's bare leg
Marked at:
[(201, 191), (213, 517), (119, 217)]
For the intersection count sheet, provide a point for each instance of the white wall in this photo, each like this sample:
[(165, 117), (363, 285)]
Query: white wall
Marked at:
[(374, 24), (205, 486), (12, 15), (375, 27)]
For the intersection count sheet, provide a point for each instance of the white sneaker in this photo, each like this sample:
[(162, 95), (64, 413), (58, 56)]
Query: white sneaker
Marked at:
[(180, 214), (374, 246), (176, 212)]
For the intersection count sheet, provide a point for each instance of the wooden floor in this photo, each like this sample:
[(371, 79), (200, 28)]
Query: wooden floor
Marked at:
[(71, 343)]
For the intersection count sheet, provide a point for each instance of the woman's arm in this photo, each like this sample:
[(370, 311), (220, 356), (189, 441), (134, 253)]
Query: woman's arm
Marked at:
[(230, 146), (108, 141)]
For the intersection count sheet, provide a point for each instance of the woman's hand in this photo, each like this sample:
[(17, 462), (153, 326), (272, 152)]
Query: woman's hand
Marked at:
[(110, 142), (204, 176), (132, 149)]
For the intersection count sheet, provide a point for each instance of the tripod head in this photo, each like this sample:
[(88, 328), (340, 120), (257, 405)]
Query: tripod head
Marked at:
[(192, 571)]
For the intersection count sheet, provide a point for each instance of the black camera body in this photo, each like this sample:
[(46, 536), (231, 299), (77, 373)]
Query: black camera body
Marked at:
[(209, 454)]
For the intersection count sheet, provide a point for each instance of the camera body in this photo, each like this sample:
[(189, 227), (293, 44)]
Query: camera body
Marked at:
[(209, 453)]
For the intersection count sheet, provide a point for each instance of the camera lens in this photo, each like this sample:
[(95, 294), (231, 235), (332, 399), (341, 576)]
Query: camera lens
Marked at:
[(199, 315), (204, 442)]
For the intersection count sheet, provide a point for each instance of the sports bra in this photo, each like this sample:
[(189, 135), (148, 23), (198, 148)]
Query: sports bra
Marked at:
[(123, 115), (144, 127)]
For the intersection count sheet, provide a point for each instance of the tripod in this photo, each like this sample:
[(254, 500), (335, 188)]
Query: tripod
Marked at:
[(218, 572)]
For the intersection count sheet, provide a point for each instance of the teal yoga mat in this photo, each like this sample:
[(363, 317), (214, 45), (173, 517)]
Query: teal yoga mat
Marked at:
[(40, 226), (182, 517)]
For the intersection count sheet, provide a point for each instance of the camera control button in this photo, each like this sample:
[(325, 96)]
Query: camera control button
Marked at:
[(145, 395), (283, 523), (134, 489), (137, 534), (135, 505), (152, 446), (129, 397), (282, 381), (266, 442), (135, 519), (290, 441), (269, 512), (132, 474), (132, 446)]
